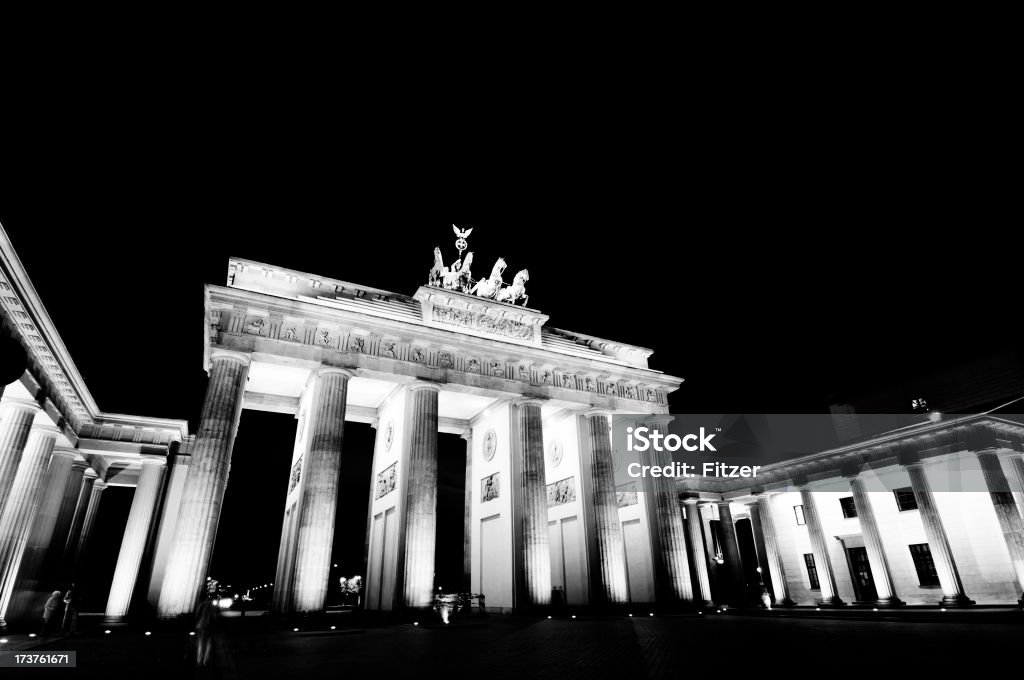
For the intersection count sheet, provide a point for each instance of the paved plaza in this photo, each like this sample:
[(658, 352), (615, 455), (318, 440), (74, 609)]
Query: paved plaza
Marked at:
[(519, 647)]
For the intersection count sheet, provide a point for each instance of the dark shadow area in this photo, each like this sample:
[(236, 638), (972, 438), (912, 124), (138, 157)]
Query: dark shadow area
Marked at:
[(451, 504), (100, 557)]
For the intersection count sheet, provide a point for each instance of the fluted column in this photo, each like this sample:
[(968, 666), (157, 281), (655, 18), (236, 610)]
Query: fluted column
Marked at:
[(16, 418), (419, 500), (78, 521), (321, 469), (19, 512), (530, 507), (819, 547), (702, 594), (869, 530), (938, 543), (89, 522), (204, 487), (29, 577), (140, 518), (467, 518), (780, 586), (671, 555), (613, 587), (731, 551), (1006, 511), (1015, 475)]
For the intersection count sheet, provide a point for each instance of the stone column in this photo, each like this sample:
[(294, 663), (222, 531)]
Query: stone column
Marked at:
[(938, 543), (16, 418), (28, 580), (780, 586), (78, 521), (89, 522), (321, 470), (19, 512), (731, 552), (1015, 476), (612, 585), (529, 508), (700, 555), (204, 487), (467, 519), (147, 491), (819, 547), (764, 573), (419, 496), (880, 572), (1006, 511)]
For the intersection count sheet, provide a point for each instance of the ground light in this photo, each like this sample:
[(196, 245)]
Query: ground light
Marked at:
[(33, 634), (106, 632), (333, 627), (191, 632), (148, 633), (295, 630), (4, 640)]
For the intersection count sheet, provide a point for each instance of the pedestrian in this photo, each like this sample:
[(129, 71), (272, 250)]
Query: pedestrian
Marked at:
[(71, 599), (206, 614), (50, 611)]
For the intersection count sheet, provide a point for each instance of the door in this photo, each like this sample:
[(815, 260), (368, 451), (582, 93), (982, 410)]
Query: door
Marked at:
[(863, 583)]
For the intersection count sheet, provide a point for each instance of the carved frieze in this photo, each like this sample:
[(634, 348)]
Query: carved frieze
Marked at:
[(386, 479), (490, 487), (561, 492), (485, 323)]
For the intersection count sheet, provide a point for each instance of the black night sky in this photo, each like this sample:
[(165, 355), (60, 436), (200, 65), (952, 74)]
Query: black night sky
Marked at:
[(768, 278)]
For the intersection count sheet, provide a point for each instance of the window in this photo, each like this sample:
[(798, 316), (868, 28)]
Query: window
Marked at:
[(812, 571), (905, 499), (849, 509), (924, 564), (799, 511)]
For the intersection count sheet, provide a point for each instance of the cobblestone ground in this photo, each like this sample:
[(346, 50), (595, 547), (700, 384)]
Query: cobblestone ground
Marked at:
[(507, 647)]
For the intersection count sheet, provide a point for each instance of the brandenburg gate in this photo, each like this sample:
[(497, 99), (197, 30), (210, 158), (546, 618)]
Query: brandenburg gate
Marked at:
[(458, 356)]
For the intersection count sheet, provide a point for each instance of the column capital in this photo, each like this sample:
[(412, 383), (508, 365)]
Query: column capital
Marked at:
[(153, 459), (21, 404), (42, 428), (328, 370), (423, 385), (65, 451), (597, 411), (99, 485), (218, 354), (528, 401), (467, 435), (80, 464), (90, 473), (1010, 454), (691, 501)]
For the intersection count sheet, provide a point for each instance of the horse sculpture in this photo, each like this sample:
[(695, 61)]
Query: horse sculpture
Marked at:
[(489, 287), (438, 271), (517, 291)]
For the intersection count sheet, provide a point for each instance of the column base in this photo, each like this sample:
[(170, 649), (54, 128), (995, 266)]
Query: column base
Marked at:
[(834, 601), (956, 601), (889, 602), (787, 602)]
